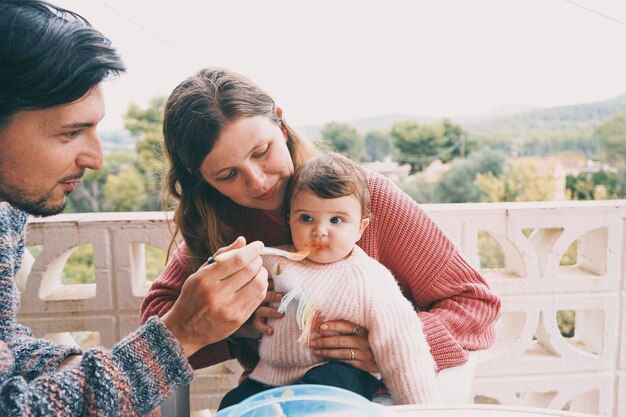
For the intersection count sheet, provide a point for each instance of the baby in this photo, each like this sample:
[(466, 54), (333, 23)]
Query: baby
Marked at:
[(328, 212)]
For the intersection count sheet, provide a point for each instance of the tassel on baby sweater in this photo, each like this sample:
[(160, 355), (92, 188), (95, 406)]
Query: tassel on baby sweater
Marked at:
[(308, 316)]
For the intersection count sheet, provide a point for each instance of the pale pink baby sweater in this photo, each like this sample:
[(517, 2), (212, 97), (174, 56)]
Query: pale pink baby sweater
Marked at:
[(357, 289)]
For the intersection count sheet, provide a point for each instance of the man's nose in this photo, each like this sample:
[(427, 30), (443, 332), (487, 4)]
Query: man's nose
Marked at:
[(90, 156)]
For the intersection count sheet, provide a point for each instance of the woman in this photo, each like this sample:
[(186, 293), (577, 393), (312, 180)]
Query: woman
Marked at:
[(231, 156)]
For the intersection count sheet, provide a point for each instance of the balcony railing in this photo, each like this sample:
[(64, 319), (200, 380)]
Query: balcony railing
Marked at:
[(531, 364)]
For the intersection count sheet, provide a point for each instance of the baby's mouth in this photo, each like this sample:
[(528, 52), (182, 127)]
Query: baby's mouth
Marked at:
[(316, 245)]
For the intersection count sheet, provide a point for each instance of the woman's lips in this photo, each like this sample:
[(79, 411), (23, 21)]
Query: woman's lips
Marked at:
[(269, 194)]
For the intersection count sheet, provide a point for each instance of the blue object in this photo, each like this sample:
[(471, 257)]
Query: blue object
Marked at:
[(303, 400)]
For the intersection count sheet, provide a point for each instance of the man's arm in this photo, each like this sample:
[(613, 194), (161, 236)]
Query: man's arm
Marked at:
[(131, 379)]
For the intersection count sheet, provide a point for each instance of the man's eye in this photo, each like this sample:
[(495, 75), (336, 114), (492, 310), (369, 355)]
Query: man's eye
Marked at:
[(72, 134), (305, 218), (336, 220)]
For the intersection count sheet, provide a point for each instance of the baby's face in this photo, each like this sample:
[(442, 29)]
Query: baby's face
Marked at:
[(327, 228)]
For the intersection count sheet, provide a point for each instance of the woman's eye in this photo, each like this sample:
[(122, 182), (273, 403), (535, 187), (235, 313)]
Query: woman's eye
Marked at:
[(336, 220), (263, 152), (305, 218), (228, 176)]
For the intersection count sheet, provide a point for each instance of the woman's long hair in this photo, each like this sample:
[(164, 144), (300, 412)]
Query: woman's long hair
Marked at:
[(195, 115)]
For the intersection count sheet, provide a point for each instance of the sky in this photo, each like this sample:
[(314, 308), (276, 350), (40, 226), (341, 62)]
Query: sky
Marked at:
[(337, 60)]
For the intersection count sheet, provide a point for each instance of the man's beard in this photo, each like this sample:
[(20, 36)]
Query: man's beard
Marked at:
[(37, 208)]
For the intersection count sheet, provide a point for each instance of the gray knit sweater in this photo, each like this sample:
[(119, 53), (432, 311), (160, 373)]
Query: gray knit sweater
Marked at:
[(130, 379)]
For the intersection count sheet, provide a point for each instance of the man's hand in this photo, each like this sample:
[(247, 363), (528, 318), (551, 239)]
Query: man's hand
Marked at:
[(216, 300)]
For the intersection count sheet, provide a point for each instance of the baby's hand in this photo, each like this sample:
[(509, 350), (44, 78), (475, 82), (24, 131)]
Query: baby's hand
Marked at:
[(265, 311)]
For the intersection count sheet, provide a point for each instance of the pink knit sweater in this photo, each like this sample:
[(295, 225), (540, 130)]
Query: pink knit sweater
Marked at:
[(455, 304), (360, 290)]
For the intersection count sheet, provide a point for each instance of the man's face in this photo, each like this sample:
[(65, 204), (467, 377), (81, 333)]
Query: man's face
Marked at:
[(44, 153)]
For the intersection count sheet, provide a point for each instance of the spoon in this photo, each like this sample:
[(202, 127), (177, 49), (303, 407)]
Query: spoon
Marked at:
[(294, 256)]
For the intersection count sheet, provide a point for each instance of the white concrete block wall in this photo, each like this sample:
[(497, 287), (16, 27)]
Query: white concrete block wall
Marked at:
[(531, 364)]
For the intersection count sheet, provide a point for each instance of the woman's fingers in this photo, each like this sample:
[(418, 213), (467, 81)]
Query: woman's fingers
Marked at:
[(344, 354), (359, 358), (346, 341), (343, 327)]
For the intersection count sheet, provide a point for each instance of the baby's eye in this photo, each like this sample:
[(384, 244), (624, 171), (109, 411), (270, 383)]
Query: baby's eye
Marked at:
[(336, 220), (306, 218)]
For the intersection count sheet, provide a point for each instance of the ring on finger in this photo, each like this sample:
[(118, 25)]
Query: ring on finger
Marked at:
[(351, 354), (356, 330)]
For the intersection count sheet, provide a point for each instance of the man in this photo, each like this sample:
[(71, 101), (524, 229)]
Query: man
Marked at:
[(52, 64)]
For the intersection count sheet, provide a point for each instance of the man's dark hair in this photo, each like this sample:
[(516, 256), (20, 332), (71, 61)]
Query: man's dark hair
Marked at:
[(49, 56)]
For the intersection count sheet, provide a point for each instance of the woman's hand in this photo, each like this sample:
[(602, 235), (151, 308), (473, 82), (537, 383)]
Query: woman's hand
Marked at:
[(346, 341), (216, 300)]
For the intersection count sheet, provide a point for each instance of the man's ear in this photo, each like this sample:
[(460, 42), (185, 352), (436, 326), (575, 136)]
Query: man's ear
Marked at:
[(364, 223)]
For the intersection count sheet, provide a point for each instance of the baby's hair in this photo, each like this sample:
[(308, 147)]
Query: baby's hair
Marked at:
[(331, 175)]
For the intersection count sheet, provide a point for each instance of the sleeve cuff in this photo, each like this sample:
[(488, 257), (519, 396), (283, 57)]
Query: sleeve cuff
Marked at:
[(155, 347), (446, 351)]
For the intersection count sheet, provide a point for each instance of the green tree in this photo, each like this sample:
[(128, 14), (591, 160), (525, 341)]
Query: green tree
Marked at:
[(455, 143), (579, 187), (458, 185), (345, 139), (378, 145), (125, 191), (146, 126), (89, 195), (80, 268), (418, 144), (419, 190), (612, 137), (586, 186), (516, 182)]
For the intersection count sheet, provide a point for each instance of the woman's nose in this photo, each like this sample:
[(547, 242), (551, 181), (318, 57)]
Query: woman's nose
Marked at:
[(255, 177)]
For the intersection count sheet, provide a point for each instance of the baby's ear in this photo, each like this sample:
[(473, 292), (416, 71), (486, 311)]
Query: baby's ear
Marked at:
[(364, 223)]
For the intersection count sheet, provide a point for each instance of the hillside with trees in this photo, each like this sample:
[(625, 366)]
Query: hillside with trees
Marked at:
[(131, 181), (538, 132)]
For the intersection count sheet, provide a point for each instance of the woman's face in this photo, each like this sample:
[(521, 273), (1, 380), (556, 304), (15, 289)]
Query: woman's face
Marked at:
[(250, 163)]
